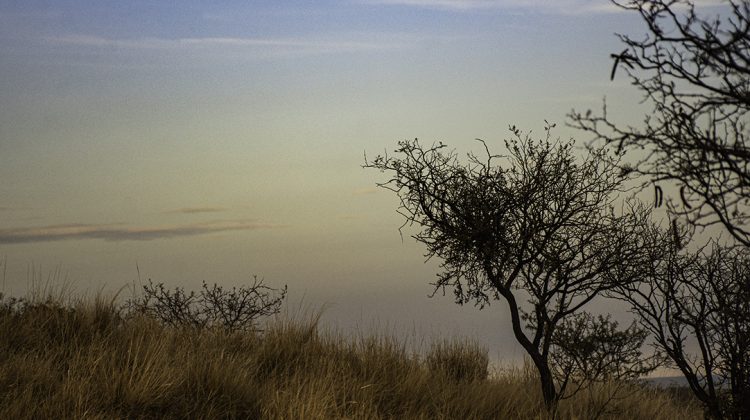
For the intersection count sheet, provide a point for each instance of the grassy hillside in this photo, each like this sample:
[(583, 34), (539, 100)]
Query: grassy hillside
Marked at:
[(85, 360)]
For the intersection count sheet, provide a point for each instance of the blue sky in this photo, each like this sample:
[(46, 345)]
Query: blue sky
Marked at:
[(216, 140)]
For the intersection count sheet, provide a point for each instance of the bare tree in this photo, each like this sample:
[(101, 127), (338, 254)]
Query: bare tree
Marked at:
[(539, 232), (695, 71), (697, 307)]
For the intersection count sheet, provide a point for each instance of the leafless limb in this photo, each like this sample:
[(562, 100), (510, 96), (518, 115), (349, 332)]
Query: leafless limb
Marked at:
[(695, 72), (697, 307)]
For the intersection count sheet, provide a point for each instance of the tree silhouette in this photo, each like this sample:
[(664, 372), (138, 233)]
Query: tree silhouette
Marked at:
[(699, 300), (695, 72), (540, 232)]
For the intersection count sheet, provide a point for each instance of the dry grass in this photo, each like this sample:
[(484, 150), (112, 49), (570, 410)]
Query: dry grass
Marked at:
[(83, 360)]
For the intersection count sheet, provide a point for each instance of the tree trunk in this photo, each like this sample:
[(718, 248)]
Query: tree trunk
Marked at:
[(742, 400), (713, 412), (549, 392)]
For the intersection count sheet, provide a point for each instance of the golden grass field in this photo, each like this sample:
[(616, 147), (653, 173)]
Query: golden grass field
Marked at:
[(83, 360)]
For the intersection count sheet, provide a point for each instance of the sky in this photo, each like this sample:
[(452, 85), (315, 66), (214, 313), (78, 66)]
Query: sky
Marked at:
[(190, 141)]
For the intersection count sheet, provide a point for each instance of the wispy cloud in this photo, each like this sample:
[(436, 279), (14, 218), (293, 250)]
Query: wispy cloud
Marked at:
[(543, 6), (267, 45), (196, 210), (118, 232), (566, 7), (440, 4)]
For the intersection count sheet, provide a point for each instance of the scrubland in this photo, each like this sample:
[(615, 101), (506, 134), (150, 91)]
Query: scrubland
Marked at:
[(90, 359)]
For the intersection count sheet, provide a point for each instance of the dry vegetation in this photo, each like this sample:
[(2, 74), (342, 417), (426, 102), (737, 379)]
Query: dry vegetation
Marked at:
[(85, 359)]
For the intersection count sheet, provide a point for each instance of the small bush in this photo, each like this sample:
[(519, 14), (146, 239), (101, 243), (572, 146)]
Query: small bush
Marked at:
[(460, 361), (10, 305), (232, 310)]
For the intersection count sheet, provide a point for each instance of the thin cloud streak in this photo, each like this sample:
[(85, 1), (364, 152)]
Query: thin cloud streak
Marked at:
[(118, 232), (287, 45), (568, 7), (439, 4), (563, 7), (196, 210)]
